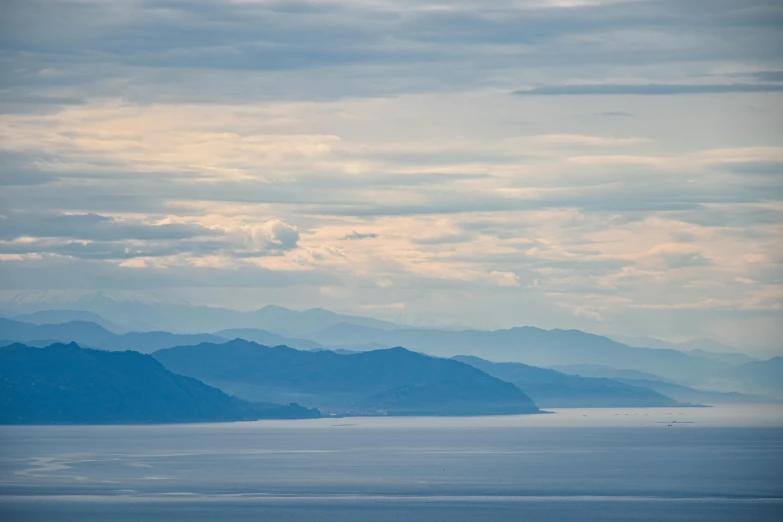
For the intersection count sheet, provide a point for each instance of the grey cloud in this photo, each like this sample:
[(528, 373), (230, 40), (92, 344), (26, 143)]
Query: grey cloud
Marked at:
[(28, 178), (587, 264), (117, 251), (766, 76), (93, 236), (357, 236), (160, 50), (686, 260), (443, 240), (733, 216), (616, 114), (64, 273), (761, 168), (126, 191), (94, 227), (346, 195), (282, 236), (646, 89), (109, 250)]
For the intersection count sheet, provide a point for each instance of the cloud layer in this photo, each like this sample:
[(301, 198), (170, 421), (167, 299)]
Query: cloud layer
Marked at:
[(608, 165)]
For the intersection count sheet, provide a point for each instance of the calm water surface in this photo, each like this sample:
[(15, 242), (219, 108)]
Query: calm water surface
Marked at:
[(703, 464)]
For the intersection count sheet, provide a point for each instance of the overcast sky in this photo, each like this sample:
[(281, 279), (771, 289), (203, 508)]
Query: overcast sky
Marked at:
[(613, 166)]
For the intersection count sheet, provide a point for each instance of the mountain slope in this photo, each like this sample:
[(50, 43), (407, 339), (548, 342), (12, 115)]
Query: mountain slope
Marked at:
[(653, 382), (292, 322), (732, 358), (532, 346), (66, 316), (605, 372), (66, 384), (552, 389), (394, 381), (268, 338), (756, 377), (187, 318), (700, 347), (95, 336), (687, 394)]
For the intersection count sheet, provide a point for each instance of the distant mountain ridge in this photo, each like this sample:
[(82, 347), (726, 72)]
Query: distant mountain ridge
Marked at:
[(688, 394), (94, 336), (530, 345), (606, 372), (394, 381), (266, 338), (187, 318), (552, 389), (700, 347), (764, 377), (67, 384), (659, 384), (67, 316)]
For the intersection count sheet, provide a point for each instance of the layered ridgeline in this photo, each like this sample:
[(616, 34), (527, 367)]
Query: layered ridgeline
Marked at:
[(675, 391), (530, 345), (553, 389), (66, 316), (533, 346), (66, 384), (187, 318), (95, 336), (765, 377), (699, 347), (393, 381)]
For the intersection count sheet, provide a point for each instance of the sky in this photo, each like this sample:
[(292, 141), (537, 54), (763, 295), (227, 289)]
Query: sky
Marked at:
[(612, 166)]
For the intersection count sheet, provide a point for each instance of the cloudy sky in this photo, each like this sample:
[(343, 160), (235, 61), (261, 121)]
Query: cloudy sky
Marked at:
[(613, 166)]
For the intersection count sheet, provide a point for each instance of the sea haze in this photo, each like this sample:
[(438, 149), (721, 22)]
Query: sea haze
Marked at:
[(702, 464)]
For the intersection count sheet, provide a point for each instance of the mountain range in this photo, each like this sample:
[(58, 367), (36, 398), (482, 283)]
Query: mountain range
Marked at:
[(188, 318), (552, 389), (94, 336), (530, 345), (696, 376), (700, 347), (67, 384), (659, 384), (764, 377), (67, 316), (268, 338), (394, 381)]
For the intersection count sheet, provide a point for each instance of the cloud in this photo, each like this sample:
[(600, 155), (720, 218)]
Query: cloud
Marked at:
[(356, 236), (78, 274), (94, 236), (504, 278), (616, 114), (766, 76), (95, 227), (647, 89), (686, 260), (208, 149), (579, 139)]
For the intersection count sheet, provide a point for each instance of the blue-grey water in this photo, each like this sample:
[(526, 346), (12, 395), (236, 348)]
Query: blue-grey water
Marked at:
[(694, 464)]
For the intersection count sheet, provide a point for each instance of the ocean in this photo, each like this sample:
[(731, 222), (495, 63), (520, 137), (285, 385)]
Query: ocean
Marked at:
[(694, 464)]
